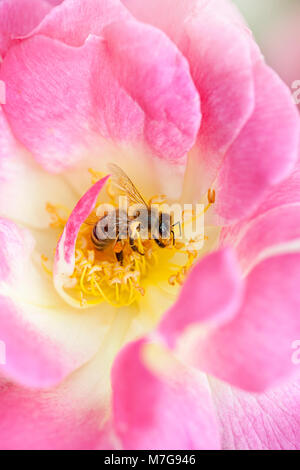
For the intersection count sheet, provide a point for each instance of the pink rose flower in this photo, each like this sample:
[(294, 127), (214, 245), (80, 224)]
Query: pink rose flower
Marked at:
[(101, 354)]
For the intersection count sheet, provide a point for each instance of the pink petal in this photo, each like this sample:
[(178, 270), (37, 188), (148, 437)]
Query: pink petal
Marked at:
[(268, 421), (52, 115), (163, 89), (66, 417), (150, 411), (253, 351), (211, 293), (211, 36), (7, 140), (265, 151), (287, 192), (273, 231), (74, 20), (55, 2), (19, 17), (45, 339), (171, 17), (241, 120), (31, 358), (272, 227), (86, 110)]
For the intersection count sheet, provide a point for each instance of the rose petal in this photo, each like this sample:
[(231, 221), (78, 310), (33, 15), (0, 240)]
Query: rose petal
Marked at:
[(172, 410), (30, 357), (275, 232), (165, 93), (69, 416), (55, 2), (45, 339), (253, 351), (86, 110), (19, 17), (171, 17), (65, 252), (74, 20), (241, 121), (53, 114), (272, 228), (212, 37), (265, 151), (268, 421), (211, 293), (287, 192)]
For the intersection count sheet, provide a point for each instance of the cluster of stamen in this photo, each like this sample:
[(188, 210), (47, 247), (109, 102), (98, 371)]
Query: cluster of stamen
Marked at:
[(99, 277)]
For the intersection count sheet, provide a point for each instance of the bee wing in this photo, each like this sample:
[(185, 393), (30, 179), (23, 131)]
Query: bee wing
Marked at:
[(113, 220), (125, 185)]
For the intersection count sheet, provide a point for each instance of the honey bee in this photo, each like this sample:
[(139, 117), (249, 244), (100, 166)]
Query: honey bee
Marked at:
[(116, 226)]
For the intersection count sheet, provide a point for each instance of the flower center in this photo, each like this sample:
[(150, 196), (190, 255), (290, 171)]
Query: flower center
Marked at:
[(122, 271)]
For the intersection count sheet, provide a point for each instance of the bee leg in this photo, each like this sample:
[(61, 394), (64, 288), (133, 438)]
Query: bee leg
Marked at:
[(134, 247), (173, 237), (120, 257), (159, 243), (118, 250)]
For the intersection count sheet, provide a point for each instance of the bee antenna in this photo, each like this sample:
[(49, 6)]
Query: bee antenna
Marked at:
[(178, 223)]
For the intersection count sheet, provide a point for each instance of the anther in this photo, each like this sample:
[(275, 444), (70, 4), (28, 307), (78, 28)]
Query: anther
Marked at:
[(211, 196)]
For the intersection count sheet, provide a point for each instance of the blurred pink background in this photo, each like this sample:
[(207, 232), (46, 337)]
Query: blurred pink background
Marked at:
[(276, 26)]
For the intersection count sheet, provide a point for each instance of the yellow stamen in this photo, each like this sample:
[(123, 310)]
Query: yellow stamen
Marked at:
[(59, 214), (44, 260), (98, 277)]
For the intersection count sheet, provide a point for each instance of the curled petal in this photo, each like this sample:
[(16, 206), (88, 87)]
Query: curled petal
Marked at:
[(287, 192), (65, 250), (211, 294), (272, 229), (275, 232), (164, 89)]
